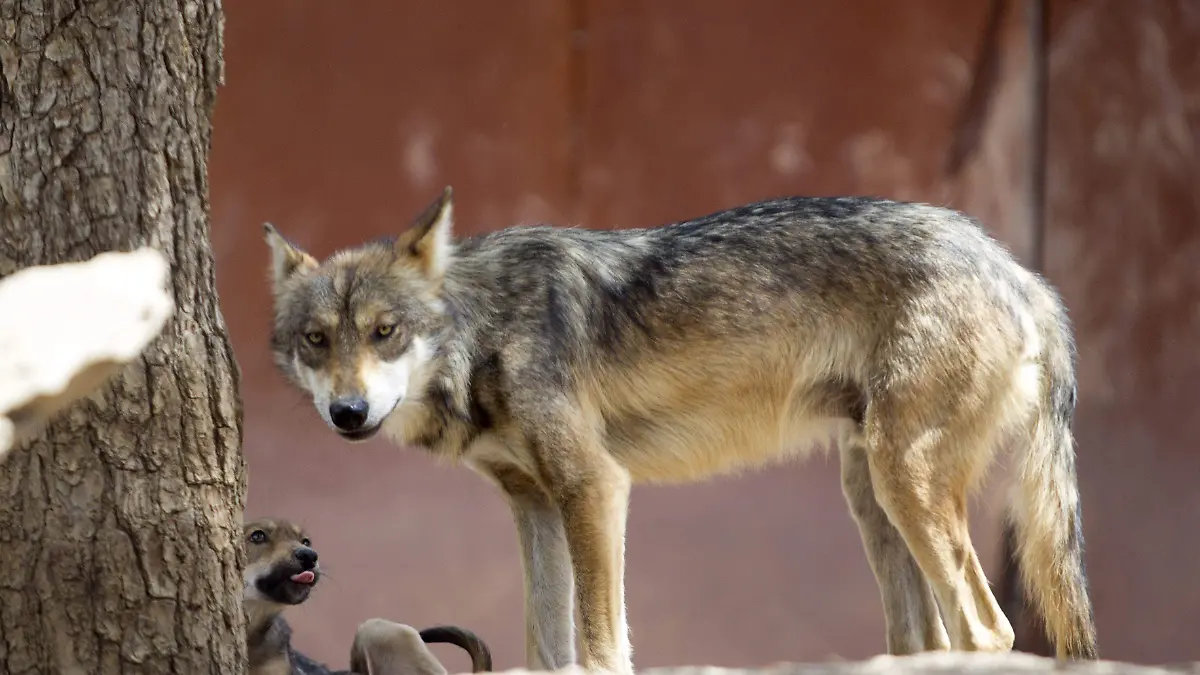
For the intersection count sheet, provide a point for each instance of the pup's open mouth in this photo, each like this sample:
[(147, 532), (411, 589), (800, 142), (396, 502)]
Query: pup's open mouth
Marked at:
[(286, 585), (307, 577), (360, 435)]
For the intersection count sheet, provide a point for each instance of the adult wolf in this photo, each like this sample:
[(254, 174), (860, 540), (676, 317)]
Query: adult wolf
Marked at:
[(564, 364)]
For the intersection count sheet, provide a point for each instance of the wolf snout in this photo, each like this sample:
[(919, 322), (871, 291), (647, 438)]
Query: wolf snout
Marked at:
[(349, 414), (306, 557)]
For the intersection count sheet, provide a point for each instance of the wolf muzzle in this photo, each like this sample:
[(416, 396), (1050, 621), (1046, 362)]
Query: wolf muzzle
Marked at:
[(349, 413)]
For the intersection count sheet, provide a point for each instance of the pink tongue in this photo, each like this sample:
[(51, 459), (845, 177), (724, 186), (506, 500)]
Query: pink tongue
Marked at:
[(305, 577)]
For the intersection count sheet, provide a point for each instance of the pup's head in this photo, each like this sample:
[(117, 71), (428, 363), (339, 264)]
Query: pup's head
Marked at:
[(281, 565), (357, 331)]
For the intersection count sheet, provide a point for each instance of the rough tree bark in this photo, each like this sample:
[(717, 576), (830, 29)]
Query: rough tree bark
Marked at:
[(119, 523)]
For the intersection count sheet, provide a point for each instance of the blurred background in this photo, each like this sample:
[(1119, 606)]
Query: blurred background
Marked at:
[(340, 121)]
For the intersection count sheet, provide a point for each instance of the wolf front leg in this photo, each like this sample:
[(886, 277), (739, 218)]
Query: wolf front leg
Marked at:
[(594, 501), (546, 563)]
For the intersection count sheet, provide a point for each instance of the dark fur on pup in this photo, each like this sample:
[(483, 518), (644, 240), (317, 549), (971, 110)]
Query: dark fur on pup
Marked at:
[(281, 570)]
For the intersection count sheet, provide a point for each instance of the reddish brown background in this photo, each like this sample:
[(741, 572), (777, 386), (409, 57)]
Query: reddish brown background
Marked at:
[(340, 120)]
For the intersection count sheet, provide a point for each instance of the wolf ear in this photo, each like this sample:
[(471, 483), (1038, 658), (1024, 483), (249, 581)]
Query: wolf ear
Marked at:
[(286, 259), (428, 240)]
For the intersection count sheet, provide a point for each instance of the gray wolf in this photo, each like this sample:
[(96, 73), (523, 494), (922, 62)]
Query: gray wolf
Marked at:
[(565, 364), (281, 570)]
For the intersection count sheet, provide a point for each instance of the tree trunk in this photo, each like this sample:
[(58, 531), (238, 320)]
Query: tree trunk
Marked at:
[(119, 525)]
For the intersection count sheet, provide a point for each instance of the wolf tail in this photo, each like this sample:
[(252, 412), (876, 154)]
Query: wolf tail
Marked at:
[(1045, 509), (481, 656)]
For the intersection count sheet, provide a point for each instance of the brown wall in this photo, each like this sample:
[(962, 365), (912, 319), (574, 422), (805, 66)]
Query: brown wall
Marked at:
[(339, 122)]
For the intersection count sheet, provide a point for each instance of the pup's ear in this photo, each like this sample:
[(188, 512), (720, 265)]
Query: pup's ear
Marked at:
[(428, 240), (286, 259)]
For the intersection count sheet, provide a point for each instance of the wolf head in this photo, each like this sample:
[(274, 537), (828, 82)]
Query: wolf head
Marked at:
[(281, 565), (358, 330)]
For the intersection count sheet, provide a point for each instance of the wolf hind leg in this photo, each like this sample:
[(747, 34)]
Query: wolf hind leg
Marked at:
[(921, 473), (909, 607)]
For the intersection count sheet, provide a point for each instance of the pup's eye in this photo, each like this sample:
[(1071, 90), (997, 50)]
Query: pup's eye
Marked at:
[(305, 541), (258, 537), (315, 338), (384, 330)]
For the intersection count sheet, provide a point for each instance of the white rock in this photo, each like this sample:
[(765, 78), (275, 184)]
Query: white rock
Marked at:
[(65, 329)]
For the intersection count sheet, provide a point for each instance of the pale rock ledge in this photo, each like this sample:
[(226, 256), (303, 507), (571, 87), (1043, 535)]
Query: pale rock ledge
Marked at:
[(65, 329), (934, 663)]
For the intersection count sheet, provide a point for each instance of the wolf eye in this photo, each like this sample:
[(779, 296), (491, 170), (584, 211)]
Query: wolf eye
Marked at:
[(258, 537), (315, 338), (383, 330)]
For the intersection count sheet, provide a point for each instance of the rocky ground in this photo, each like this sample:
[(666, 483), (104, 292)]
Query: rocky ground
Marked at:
[(923, 664)]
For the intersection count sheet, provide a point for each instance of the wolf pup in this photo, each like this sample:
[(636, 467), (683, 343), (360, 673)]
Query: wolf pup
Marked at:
[(281, 570), (564, 364)]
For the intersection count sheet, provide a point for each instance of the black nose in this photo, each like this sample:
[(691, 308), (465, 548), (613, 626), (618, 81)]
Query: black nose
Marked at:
[(307, 557), (348, 414)]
